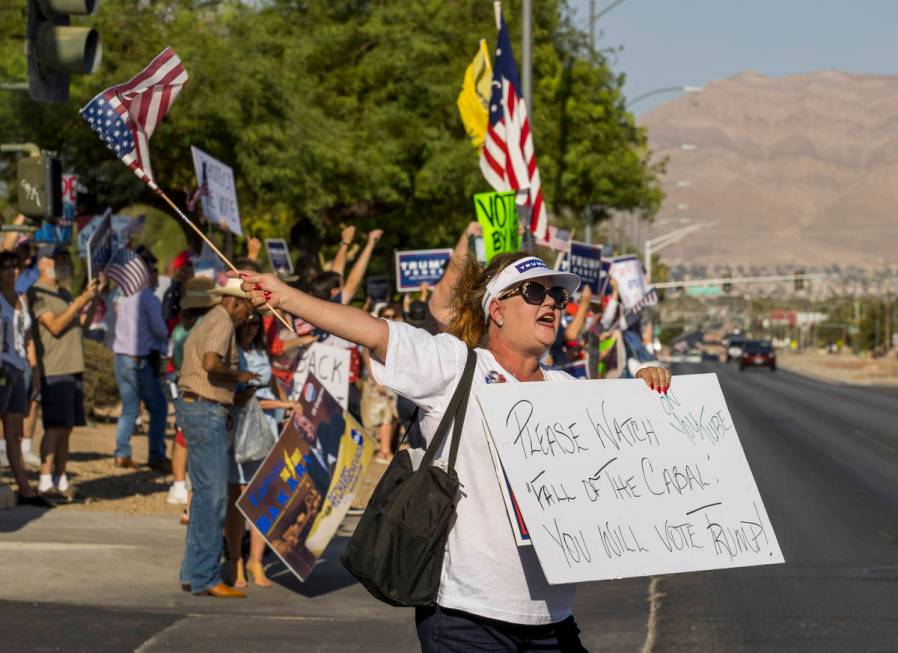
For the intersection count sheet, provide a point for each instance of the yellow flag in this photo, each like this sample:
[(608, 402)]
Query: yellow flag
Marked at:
[(474, 99)]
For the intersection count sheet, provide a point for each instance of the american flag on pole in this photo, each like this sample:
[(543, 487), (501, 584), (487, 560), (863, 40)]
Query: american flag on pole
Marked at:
[(508, 160), (125, 116), (129, 271)]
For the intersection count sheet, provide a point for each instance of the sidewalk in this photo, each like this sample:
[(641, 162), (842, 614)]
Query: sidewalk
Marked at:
[(109, 581), (84, 558)]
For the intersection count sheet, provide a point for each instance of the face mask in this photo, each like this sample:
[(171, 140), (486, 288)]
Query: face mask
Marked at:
[(63, 272)]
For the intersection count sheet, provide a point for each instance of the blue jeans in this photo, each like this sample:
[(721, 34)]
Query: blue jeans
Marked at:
[(137, 382), (453, 631), (205, 426)]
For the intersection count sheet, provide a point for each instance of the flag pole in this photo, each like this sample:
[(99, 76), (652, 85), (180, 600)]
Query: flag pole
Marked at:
[(161, 193)]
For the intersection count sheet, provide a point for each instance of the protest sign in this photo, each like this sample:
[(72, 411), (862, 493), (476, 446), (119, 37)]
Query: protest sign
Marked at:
[(279, 256), (220, 194), (605, 278), (635, 294), (414, 267), (100, 246), (558, 240), (498, 215), (302, 490), (69, 197), (207, 264), (330, 365), (585, 260), (123, 227), (577, 369), (615, 481)]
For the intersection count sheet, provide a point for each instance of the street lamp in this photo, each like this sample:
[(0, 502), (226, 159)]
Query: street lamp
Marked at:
[(594, 17), (659, 243), (666, 89)]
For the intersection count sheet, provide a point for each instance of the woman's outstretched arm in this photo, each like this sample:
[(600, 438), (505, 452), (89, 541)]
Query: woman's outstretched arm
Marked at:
[(343, 321)]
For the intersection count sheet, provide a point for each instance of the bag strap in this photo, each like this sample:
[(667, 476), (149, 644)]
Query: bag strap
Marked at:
[(452, 413)]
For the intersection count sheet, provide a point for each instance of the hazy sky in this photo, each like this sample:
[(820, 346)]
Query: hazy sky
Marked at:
[(677, 42)]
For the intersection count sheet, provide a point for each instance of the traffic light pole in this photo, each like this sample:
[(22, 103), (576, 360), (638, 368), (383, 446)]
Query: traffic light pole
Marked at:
[(30, 148)]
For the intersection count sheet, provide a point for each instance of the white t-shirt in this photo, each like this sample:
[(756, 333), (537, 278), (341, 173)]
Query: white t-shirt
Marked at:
[(484, 571), (14, 326)]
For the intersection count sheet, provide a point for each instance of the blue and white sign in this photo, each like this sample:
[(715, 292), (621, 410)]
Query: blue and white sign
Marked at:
[(279, 256), (586, 261), (414, 267)]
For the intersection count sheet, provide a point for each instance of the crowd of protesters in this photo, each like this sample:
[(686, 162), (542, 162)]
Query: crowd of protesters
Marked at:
[(193, 346)]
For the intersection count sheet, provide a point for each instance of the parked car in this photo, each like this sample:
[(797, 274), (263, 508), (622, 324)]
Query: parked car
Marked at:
[(757, 353)]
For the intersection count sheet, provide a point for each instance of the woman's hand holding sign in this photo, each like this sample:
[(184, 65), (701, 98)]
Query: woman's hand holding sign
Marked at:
[(657, 378)]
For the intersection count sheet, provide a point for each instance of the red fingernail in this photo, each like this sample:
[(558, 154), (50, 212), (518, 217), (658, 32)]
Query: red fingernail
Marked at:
[(257, 286), (652, 386), (659, 389), (267, 295)]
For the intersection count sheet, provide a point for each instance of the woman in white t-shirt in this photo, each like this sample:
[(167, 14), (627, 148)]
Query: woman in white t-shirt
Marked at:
[(493, 595)]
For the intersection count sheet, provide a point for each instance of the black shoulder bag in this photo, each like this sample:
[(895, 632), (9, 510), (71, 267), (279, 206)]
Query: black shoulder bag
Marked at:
[(397, 549)]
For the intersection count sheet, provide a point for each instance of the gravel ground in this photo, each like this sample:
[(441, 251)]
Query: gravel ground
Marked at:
[(843, 368), (102, 486)]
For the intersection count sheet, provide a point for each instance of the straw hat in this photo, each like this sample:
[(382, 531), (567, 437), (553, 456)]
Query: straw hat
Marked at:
[(196, 293), (230, 289)]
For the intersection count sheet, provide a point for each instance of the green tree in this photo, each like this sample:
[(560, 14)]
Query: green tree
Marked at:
[(342, 111)]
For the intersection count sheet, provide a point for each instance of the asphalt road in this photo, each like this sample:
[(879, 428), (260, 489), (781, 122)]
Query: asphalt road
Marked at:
[(825, 459)]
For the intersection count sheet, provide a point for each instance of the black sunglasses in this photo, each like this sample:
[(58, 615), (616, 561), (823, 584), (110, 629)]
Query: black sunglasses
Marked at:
[(535, 293)]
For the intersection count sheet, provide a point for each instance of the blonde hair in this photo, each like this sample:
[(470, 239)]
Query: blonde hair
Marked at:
[(468, 319)]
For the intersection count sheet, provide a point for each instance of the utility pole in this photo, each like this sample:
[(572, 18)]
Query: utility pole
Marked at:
[(526, 59), (592, 26)]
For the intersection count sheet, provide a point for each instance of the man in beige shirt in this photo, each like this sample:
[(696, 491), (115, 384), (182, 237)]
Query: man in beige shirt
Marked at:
[(209, 376)]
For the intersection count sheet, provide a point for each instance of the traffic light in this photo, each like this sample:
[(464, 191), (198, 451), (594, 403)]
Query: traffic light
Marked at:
[(39, 186), (56, 50), (727, 286), (799, 280)]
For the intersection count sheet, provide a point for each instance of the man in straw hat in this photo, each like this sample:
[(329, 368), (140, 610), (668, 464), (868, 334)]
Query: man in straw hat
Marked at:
[(209, 376), (195, 301)]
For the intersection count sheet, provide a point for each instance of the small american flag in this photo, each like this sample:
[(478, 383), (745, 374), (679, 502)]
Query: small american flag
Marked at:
[(129, 271), (508, 160), (125, 116)]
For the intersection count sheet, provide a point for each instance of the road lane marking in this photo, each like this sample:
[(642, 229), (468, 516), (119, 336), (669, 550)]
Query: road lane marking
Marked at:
[(651, 631)]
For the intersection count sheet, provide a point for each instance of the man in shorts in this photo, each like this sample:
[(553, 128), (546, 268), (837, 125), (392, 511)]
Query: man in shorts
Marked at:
[(60, 319)]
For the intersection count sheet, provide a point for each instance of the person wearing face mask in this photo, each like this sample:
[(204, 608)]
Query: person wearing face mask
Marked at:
[(493, 595), (60, 319)]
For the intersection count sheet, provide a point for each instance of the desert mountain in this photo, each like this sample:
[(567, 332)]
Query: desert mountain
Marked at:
[(798, 170)]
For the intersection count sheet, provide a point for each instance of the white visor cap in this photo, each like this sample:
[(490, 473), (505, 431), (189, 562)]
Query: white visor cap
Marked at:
[(525, 270)]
